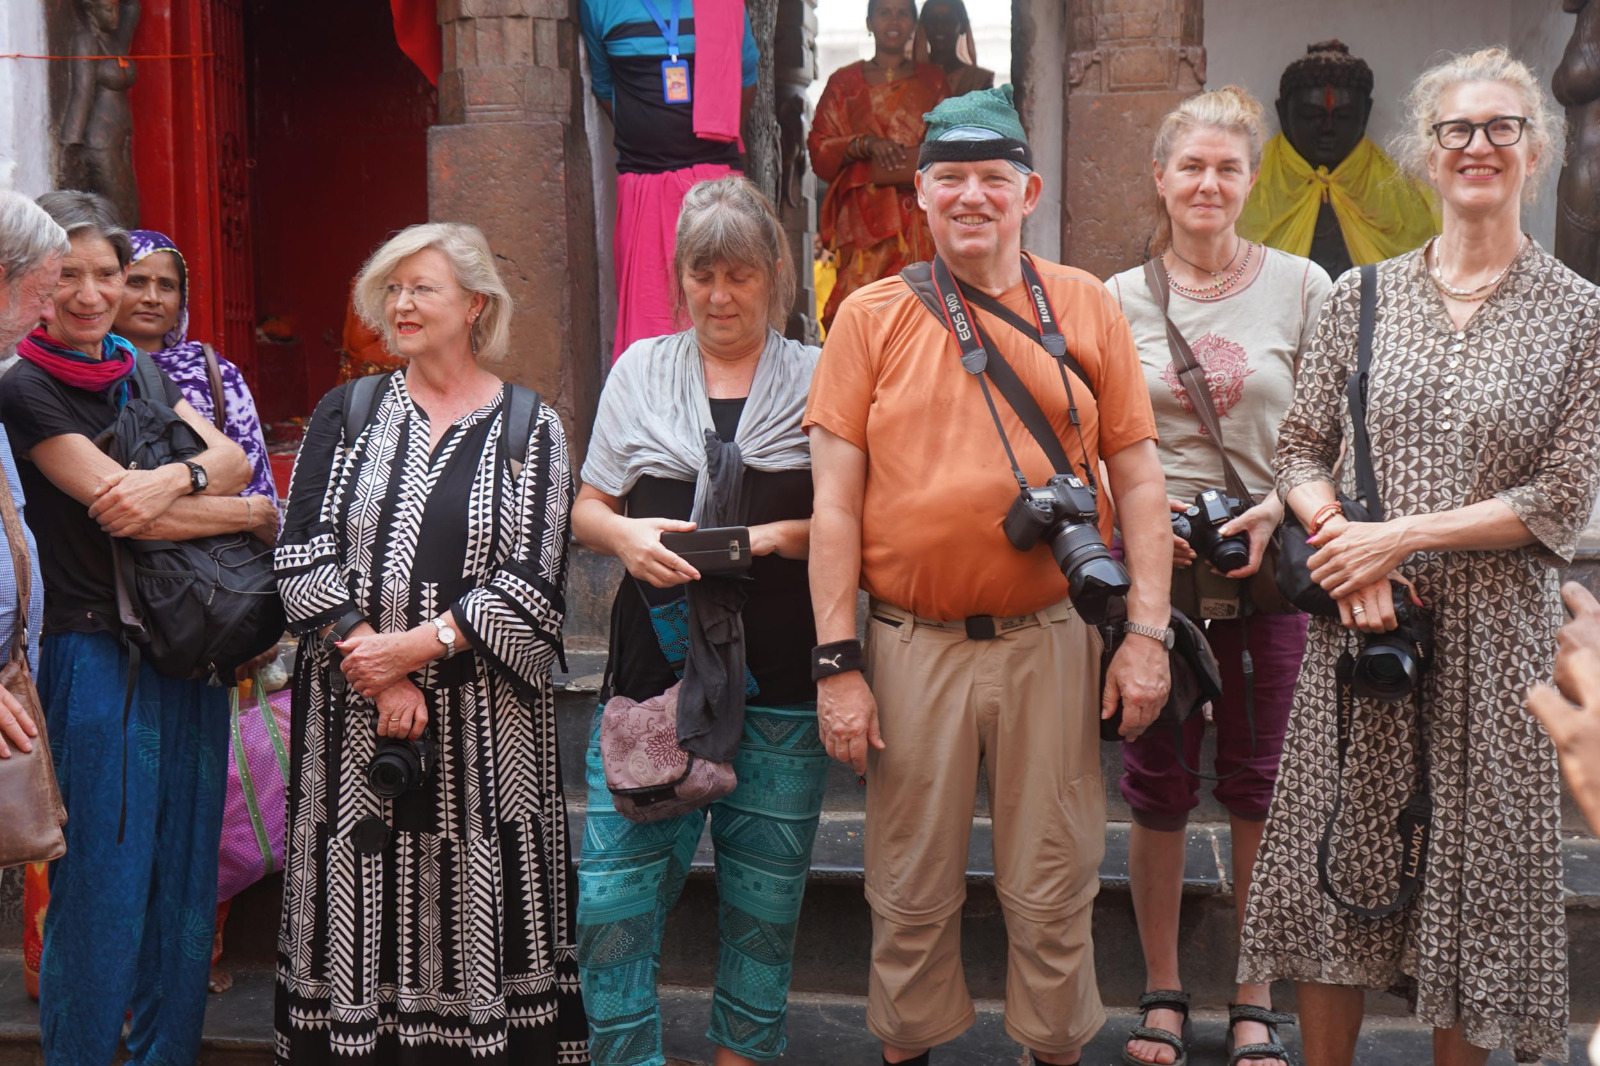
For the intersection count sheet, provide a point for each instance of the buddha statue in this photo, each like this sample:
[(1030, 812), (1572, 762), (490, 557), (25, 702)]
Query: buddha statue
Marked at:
[(1325, 190)]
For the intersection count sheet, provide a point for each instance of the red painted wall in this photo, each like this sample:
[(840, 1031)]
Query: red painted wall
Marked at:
[(339, 120)]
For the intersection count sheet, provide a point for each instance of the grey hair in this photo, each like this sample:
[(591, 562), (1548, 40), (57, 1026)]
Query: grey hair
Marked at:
[(90, 213), (28, 236), (472, 264), (1546, 129), (732, 222), (1229, 109)]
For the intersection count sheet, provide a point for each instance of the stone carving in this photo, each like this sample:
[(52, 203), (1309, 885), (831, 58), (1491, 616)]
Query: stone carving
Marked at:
[(1577, 85), (97, 130), (1324, 102)]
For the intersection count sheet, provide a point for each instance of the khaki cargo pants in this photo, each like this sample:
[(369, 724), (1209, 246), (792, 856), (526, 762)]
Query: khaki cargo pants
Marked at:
[(1025, 704)]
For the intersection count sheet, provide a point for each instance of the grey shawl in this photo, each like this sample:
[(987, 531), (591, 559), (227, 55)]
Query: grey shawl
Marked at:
[(655, 420)]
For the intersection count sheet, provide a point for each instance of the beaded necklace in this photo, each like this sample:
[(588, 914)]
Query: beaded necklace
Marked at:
[(1222, 286), (1431, 256)]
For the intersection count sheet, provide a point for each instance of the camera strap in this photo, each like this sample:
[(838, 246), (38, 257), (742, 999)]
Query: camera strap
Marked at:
[(1415, 818), (982, 359), (1193, 377)]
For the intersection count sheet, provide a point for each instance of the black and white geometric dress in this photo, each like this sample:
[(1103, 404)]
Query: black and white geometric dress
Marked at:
[(453, 942)]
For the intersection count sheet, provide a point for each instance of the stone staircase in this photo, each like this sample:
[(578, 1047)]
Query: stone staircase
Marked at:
[(830, 967)]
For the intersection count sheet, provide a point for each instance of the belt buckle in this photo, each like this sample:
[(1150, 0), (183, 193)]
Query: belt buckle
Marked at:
[(981, 627)]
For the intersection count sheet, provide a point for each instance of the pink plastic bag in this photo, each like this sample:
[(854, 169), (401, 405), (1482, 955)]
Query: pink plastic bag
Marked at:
[(253, 815), (650, 778)]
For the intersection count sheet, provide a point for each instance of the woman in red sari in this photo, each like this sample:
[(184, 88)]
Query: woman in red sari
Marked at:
[(864, 143)]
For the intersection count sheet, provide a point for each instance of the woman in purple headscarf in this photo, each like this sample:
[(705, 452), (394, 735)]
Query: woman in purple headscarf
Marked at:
[(155, 317)]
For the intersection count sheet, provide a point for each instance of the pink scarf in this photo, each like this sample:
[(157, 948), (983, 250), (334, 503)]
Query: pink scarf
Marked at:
[(71, 367), (718, 57)]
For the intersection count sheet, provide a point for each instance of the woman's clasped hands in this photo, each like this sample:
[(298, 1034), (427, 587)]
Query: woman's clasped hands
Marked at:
[(1356, 565)]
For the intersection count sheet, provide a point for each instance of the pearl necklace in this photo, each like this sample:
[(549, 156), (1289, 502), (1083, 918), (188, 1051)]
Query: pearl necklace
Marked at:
[(1222, 286), (1467, 295)]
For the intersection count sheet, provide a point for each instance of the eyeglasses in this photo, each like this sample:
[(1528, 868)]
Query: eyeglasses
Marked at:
[(1502, 131), (421, 293)]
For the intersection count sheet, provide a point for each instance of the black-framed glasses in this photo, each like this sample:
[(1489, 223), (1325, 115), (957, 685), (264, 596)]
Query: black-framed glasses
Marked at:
[(1502, 131)]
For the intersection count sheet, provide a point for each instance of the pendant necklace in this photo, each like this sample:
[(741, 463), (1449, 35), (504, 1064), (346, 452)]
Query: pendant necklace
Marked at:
[(1222, 285), (1467, 295), (887, 72)]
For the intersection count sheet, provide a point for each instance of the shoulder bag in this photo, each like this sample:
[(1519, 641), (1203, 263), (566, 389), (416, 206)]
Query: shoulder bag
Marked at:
[(1260, 588), (35, 815)]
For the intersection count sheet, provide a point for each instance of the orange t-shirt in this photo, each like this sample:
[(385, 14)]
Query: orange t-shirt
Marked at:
[(890, 381)]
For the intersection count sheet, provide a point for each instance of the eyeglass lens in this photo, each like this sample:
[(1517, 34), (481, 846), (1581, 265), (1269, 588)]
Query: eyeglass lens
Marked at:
[(1502, 132)]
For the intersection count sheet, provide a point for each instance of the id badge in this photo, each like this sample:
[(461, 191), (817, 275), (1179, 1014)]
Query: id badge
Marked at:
[(675, 81)]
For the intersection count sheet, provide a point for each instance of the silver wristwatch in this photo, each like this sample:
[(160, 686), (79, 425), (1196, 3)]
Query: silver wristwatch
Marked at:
[(447, 636), (1163, 634)]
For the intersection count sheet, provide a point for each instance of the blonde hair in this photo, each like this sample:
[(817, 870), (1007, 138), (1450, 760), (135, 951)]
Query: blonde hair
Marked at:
[(1229, 109), (730, 221), (1546, 127), (472, 264)]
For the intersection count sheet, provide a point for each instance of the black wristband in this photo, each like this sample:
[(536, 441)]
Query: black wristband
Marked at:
[(343, 625), (840, 657)]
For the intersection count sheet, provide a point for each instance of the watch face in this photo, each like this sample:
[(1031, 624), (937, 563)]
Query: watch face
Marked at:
[(447, 635), (197, 477)]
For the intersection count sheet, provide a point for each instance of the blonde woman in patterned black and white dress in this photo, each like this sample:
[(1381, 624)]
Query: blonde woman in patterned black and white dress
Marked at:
[(1484, 411), (422, 563)]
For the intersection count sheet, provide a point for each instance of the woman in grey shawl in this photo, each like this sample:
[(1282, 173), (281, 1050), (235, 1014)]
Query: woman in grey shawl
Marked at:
[(701, 429)]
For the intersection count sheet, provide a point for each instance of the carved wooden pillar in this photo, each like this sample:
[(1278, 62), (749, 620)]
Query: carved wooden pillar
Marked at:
[(1129, 62), (795, 67), (509, 155)]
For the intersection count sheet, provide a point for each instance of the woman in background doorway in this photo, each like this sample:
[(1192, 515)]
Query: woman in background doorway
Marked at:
[(943, 32), (864, 143)]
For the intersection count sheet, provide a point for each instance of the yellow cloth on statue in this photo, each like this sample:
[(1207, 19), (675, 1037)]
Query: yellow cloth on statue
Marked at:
[(1381, 212)]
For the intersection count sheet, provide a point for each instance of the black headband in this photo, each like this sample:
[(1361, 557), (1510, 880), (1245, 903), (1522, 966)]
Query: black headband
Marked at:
[(1007, 148)]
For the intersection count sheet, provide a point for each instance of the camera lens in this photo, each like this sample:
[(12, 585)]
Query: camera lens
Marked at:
[(1386, 671), (395, 768), (1093, 576), (1230, 554)]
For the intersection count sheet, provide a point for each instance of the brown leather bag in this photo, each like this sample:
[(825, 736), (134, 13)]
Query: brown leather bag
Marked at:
[(1261, 588), (31, 828)]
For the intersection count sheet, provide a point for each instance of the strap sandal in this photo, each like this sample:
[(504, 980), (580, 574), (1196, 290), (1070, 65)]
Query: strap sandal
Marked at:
[(1272, 1049), (1161, 999)]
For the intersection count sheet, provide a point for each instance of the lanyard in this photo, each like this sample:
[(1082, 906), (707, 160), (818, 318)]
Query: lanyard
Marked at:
[(669, 31), (980, 358)]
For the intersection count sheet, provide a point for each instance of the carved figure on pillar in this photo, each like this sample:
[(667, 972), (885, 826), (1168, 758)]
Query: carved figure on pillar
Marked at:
[(1577, 86), (676, 122), (1326, 191), (97, 130)]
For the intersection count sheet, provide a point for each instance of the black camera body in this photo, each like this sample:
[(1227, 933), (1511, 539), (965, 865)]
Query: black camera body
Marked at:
[(1390, 665), (1062, 513), (1200, 526), (398, 766)]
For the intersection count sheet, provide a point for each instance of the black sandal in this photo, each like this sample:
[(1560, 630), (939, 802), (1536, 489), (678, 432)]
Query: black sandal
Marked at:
[(1272, 1049), (1161, 999)]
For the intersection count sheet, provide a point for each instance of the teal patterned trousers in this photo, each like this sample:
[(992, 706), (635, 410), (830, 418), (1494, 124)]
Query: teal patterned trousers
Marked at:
[(630, 877)]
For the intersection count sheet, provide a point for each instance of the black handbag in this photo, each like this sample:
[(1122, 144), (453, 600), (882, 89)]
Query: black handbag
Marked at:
[(1294, 554), (1196, 678)]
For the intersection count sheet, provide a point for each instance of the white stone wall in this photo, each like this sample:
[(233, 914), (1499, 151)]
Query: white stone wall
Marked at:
[(1249, 42), (24, 99)]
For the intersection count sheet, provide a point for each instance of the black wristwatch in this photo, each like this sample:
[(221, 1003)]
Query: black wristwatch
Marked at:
[(197, 477)]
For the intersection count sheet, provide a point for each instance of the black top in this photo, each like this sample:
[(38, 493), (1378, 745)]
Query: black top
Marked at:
[(779, 632), (74, 552), (653, 136)]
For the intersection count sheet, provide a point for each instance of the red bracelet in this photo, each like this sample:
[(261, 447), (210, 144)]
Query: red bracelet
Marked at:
[(1325, 514)]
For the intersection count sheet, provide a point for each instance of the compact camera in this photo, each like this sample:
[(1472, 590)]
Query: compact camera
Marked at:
[(1062, 512), (1390, 665), (1200, 526), (398, 766)]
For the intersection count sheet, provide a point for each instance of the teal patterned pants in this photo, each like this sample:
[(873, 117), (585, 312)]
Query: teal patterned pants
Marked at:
[(630, 877)]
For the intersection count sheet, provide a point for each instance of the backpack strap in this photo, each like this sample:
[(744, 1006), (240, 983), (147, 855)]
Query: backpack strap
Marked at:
[(361, 404), (219, 399), (516, 427), (147, 378)]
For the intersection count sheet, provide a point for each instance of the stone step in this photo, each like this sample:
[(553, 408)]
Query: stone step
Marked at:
[(822, 1028)]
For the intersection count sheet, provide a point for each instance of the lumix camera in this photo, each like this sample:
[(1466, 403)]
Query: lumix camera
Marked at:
[(1201, 524), (398, 766), (1062, 512), (1390, 665)]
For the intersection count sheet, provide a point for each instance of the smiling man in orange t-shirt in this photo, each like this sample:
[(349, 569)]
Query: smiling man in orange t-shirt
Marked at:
[(974, 651)]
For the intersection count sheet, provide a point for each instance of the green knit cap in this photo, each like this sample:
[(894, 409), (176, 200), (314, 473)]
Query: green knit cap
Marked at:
[(980, 125)]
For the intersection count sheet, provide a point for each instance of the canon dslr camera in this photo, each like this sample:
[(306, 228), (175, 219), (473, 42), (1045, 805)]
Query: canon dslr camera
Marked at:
[(1390, 665), (1062, 512), (1201, 527), (398, 766)]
